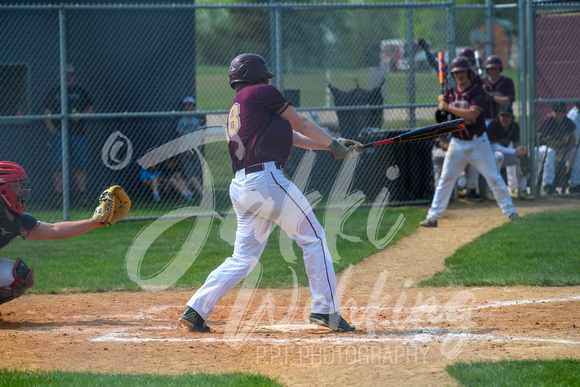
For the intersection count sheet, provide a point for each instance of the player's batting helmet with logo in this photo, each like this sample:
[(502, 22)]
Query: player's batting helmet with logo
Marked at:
[(493, 61), (13, 186), (249, 68), (459, 64), (468, 53)]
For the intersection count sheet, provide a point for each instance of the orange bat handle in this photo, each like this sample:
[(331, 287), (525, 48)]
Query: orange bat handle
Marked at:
[(441, 60)]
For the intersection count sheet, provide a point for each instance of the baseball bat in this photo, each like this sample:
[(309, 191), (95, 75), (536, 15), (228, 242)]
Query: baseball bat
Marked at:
[(478, 63), (441, 61), (421, 133)]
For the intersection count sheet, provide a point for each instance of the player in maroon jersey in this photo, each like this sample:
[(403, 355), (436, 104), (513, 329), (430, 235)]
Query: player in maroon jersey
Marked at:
[(499, 88), (262, 128), (469, 146)]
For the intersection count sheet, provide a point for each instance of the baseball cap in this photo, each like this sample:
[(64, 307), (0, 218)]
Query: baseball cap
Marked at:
[(189, 100), (70, 68), (559, 107), (506, 109)]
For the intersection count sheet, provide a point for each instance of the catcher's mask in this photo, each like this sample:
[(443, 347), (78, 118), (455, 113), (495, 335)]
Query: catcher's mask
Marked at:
[(249, 68), (13, 186)]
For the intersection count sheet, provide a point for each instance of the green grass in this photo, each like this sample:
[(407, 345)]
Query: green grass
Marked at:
[(96, 261), (312, 85), (59, 378), (540, 250), (537, 373)]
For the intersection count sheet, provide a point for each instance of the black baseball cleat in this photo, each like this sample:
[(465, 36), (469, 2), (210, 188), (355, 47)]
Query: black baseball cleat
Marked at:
[(429, 223), (473, 196), (333, 321), (191, 319)]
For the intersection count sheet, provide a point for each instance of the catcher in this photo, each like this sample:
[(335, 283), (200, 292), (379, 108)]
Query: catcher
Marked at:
[(15, 276)]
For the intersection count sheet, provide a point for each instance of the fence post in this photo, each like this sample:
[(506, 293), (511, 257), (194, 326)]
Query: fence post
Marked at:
[(525, 135), (65, 116), (411, 71), (489, 49), (276, 44), (451, 30), (531, 70)]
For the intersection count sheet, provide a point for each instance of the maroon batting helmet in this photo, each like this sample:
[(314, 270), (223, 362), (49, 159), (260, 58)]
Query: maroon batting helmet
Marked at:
[(493, 61), (459, 64), (468, 53), (249, 68), (13, 186)]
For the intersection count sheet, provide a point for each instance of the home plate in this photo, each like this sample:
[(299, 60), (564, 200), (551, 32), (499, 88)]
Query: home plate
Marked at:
[(291, 327)]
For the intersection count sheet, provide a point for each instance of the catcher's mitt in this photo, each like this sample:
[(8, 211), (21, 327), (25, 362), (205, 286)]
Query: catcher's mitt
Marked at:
[(114, 205)]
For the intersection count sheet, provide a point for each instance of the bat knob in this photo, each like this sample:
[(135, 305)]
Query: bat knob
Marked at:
[(441, 116)]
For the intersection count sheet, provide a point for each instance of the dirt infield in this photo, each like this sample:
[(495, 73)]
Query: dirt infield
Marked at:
[(405, 335)]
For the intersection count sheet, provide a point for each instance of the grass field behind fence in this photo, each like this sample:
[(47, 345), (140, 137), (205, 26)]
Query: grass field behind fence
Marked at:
[(214, 93)]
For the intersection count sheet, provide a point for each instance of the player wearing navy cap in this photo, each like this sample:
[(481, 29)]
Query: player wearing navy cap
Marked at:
[(262, 128)]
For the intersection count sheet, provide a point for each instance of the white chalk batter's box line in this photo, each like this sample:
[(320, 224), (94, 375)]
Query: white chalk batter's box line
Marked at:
[(492, 304), (424, 337)]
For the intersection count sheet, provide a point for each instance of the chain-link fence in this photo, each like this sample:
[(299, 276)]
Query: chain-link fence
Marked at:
[(141, 78)]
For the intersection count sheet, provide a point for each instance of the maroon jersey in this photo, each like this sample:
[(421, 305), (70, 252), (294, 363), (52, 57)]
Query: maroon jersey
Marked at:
[(256, 132), (473, 96), (497, 133), (563, 131), (504, 87), (476, 79)]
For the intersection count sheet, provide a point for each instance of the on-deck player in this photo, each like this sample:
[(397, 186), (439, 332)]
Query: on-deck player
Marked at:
[(261, 130), (471, 145)]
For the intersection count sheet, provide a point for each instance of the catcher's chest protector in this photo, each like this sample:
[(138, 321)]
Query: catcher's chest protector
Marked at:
[(14, 225)]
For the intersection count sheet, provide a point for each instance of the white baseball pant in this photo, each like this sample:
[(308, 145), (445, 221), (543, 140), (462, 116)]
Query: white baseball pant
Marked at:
[(510, 160), (478, 153), (259, 199), (546, 157)]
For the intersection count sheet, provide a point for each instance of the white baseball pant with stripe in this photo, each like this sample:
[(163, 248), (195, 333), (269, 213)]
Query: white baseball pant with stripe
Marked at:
[(259, 199), (478, 153)]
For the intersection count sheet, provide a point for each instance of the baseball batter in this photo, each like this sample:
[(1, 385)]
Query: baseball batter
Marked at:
[(262, 127), (471, 145), (15, 276)]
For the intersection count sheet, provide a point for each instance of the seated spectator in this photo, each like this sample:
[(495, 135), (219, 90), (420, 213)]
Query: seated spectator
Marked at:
[(151, 178), (557, 140), (164, 179), (173, 179), (189, 159)]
